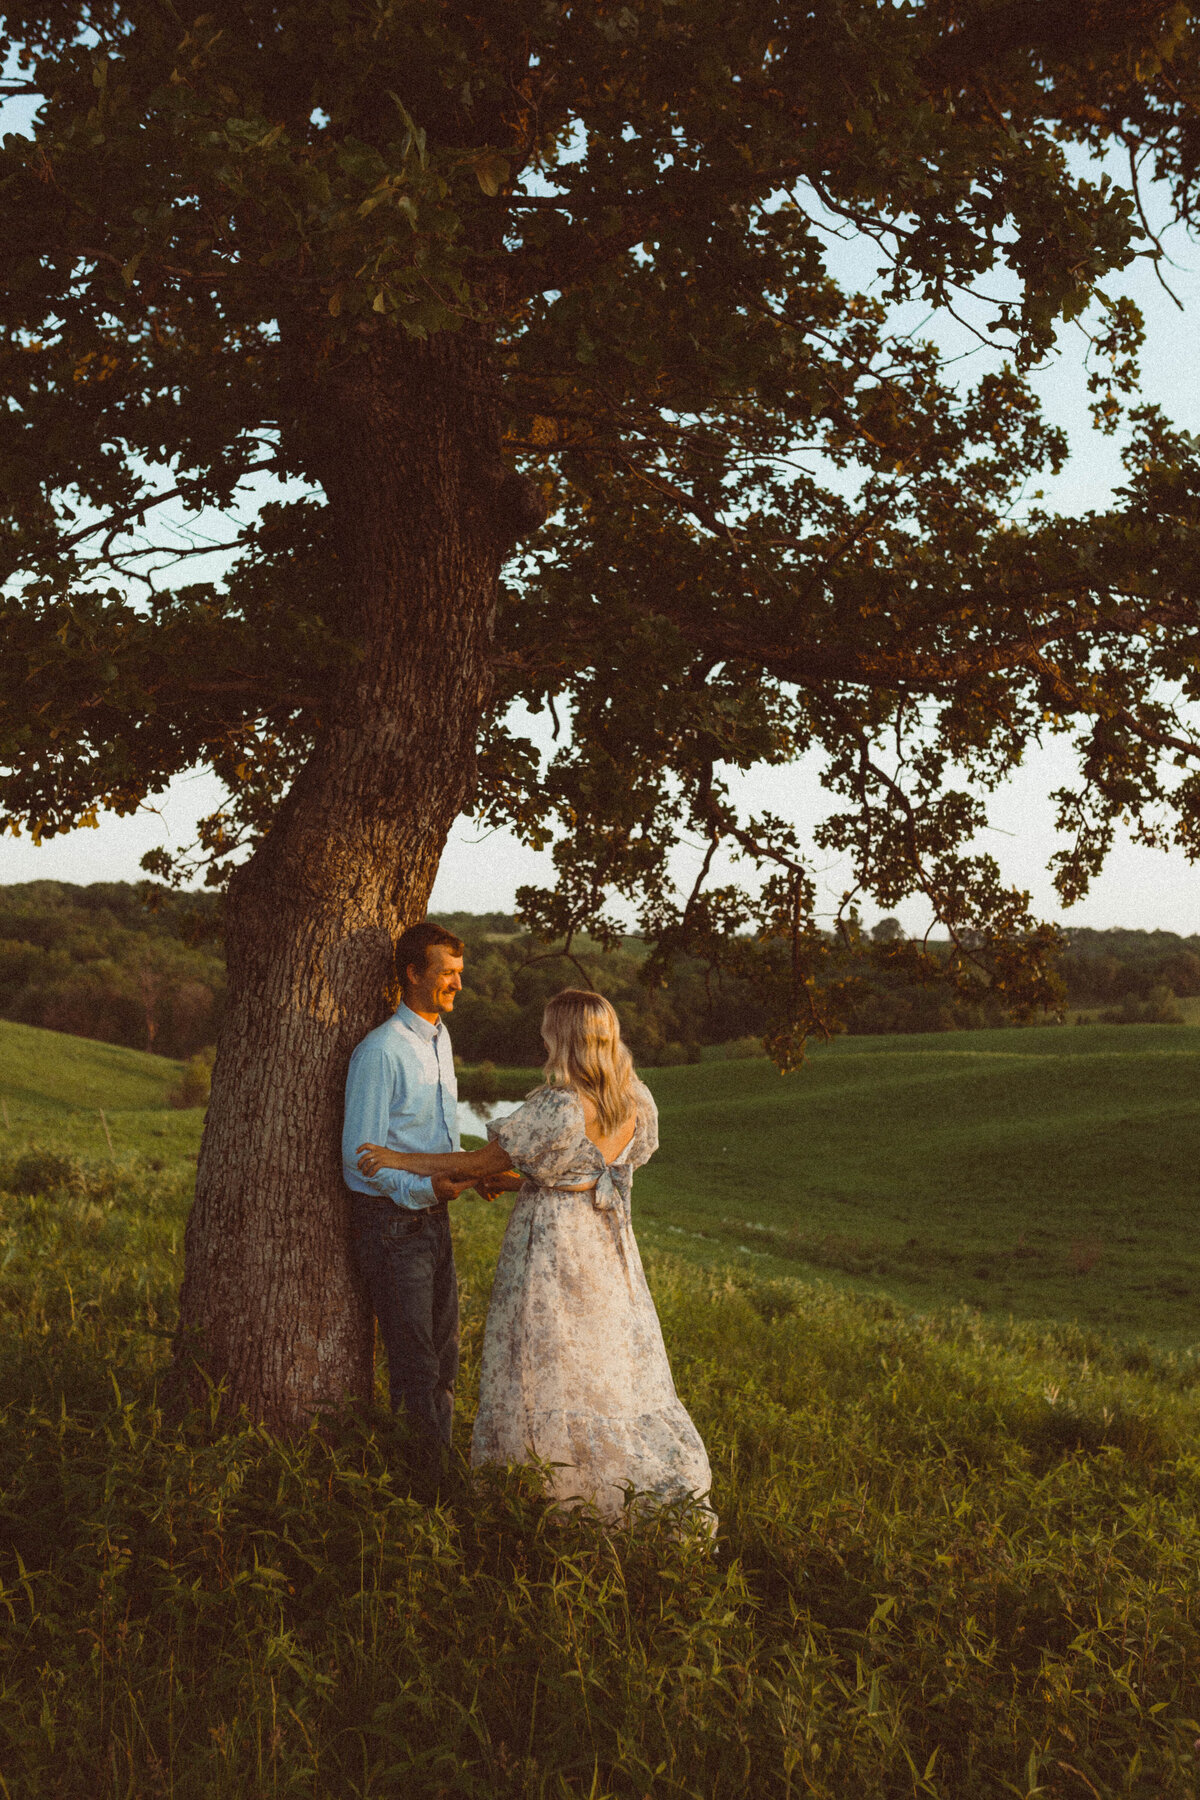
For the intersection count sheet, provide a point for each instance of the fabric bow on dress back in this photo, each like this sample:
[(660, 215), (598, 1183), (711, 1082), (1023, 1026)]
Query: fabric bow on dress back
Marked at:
[(615, 1187)]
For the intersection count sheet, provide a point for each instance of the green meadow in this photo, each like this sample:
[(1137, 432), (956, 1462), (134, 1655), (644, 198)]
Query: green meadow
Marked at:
[(1050, 1173), (930, 1306)]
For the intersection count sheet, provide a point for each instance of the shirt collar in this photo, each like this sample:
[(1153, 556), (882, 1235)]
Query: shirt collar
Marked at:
[(421, 1028)]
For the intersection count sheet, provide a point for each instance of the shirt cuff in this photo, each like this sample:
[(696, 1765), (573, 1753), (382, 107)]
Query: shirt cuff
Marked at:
[(419, 1192), (412, 1191)]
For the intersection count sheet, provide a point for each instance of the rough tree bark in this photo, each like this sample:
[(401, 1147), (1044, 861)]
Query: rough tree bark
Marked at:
[(406, 445)]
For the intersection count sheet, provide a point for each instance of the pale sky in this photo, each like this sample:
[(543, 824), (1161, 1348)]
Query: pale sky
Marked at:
[(1139, 888)]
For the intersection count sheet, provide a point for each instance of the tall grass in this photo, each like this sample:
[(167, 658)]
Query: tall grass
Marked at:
[(955, 1559)]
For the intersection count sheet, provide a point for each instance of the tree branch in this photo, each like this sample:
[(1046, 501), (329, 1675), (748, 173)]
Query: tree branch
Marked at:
[(906, 669), (206, 277), (1160, 254), (113, 523)]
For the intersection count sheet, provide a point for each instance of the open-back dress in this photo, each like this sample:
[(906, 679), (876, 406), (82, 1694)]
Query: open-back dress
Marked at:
[(575, 1371)]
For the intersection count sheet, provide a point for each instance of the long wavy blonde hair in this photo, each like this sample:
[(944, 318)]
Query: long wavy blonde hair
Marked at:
[(584, 1052)]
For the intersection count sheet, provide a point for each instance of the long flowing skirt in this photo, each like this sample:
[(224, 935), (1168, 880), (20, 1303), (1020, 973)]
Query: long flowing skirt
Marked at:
[(575, 1371)]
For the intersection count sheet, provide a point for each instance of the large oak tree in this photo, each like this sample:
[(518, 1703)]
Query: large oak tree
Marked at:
[(448, 271)]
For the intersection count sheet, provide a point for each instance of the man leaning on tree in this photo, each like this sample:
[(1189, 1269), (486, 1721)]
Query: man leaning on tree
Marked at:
[(401, 1092)]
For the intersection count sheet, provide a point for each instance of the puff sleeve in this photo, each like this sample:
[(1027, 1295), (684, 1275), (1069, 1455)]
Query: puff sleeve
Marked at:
[(645, 1136), (542, 1138)]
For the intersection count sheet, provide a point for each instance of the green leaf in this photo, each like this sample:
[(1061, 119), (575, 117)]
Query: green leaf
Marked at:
[(415, 134), (491, 172)]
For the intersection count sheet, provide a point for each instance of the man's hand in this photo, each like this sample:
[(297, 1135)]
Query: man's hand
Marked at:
[(373, 1157), (445, 1189), (507, 1182)]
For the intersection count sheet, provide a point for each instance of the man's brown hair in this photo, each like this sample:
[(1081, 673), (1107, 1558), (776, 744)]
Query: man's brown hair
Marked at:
[(413, 946)]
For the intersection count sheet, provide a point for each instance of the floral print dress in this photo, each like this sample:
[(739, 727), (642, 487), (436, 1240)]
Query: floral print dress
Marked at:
[(575, 1371)]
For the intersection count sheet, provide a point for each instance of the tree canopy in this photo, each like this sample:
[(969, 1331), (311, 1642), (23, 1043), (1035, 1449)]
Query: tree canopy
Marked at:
[(776, 522)]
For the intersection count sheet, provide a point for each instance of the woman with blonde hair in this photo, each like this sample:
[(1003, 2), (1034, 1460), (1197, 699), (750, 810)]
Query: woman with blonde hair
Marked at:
[(575, 1371)]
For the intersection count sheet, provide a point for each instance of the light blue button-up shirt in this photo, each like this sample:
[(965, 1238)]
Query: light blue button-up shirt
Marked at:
[(401, 1092)]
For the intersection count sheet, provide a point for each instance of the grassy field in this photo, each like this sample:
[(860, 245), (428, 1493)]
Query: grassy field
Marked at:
[(957, 1554)]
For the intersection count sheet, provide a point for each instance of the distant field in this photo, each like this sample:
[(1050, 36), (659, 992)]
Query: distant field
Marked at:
[(1048, 1174), (52, 1072), (54, 1087)]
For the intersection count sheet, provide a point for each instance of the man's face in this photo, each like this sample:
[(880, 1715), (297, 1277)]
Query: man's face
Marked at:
[(432, 989)]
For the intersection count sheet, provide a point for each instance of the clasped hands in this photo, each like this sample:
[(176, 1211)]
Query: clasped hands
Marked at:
[(452, 1174), (445, 1188)]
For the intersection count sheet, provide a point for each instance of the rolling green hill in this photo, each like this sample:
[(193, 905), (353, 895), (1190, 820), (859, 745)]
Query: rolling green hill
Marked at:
[(1047, 1173), (53, 1088), (53, 1072)]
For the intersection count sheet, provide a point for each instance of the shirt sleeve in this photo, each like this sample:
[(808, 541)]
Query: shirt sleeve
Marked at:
[(542, 1137), (370, 1084)]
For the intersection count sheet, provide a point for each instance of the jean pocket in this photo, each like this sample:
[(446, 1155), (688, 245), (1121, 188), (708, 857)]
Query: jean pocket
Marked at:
[(404, 1225)]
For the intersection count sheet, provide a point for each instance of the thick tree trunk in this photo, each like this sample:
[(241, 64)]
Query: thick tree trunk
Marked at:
[(406, 446)]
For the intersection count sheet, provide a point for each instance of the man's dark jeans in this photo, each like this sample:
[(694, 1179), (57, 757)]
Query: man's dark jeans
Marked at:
[(406, 1260)]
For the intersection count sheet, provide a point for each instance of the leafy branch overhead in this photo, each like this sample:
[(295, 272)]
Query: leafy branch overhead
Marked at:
[(779, 525)]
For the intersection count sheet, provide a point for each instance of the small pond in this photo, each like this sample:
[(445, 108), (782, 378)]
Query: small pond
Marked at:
[(473, 1115)]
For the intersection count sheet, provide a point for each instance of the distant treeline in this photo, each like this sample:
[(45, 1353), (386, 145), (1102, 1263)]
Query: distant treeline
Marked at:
[(1123, 976), (508, 978), (96, 962), (100, 962), (1135, 976)]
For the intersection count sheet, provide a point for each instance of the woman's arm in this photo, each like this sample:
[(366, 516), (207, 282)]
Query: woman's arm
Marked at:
[(458, 1164)]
